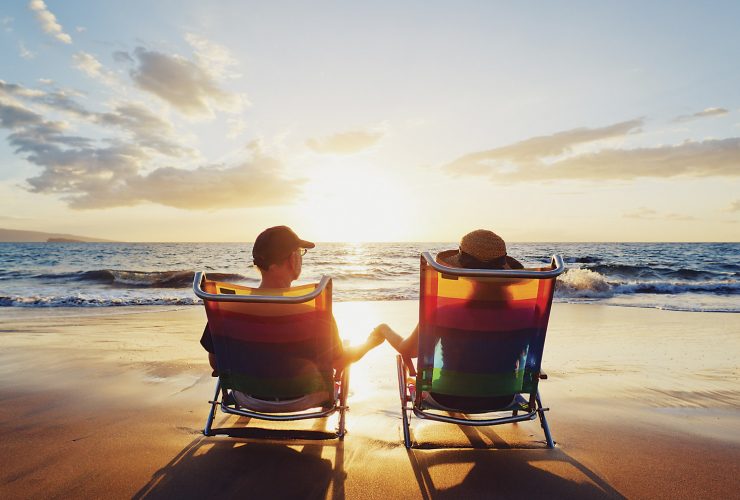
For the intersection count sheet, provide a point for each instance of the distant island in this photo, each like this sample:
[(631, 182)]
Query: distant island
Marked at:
[(18, 236)]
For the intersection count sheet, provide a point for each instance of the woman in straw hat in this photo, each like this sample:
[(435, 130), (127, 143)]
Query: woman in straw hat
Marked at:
[(480, 249)]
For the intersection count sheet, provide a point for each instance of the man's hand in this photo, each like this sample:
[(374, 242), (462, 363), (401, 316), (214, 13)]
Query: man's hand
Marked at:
[(376, 337)]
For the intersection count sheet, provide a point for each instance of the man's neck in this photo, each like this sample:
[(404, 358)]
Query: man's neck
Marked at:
[(275, 282)]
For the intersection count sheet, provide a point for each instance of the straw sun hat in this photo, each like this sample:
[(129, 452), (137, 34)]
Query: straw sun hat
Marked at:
[(481, 249)]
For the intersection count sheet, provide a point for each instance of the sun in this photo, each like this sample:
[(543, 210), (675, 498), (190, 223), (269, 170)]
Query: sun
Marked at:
[(359, 206)]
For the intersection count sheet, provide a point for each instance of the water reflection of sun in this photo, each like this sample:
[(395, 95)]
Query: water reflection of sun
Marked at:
[(355, 321)]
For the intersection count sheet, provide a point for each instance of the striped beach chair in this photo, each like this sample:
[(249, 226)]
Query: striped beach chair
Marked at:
[(274, 352), (481, 337)]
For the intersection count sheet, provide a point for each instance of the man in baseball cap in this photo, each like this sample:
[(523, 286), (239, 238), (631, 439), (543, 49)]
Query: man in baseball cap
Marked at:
[(278, 254), (275, 244)]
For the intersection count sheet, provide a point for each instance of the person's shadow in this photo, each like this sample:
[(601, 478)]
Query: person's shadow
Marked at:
[(507, 471), (228, 467)]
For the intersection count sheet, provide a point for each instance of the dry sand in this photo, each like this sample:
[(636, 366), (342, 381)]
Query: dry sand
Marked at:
[(110, 403)]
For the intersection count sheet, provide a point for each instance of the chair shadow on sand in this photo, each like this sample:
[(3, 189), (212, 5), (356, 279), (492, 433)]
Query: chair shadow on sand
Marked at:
[(503, 470), (231, 467)]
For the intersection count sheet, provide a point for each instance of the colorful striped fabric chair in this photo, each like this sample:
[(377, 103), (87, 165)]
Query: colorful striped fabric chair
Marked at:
[(274, 352), (481, 337)]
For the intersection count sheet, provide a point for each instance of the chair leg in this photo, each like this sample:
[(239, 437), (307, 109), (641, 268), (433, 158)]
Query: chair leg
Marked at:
[(406, 429), (543, 421), (212, 412), (344, 388), (403, 393)]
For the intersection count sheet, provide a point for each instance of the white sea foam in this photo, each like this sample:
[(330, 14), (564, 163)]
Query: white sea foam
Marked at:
[(583, 283)]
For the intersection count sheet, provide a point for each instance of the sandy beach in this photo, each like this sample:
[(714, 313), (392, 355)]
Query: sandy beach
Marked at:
[(111, 402)]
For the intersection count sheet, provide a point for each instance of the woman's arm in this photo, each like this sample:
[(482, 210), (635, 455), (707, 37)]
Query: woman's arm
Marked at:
[(408, 346)]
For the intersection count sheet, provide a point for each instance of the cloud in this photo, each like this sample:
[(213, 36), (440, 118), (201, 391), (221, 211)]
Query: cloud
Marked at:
[(24, 52), (237, 126), (734, 206), (145, 129), (645, 213), (13, 117), (345, 142), (555, 158), (142, 126), (48, 21), (89, 173), (216, 58), (88, 64), (188, 86), (701, 114), (250, 184), (15, 90), (123, 57)]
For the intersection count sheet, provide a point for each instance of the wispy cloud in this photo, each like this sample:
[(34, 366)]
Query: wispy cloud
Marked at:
[(189, 86), (734, 206), (24, 52), (555, 157), (645, 213), (345, 142), (48, 21), (7, 24), (701, 114), (89, 65), (214, 57)]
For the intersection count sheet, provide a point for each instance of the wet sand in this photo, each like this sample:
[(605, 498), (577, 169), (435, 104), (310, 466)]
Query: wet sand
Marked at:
[(111, 402)]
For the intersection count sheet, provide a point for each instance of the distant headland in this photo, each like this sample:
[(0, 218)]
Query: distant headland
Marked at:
[(18, 236)]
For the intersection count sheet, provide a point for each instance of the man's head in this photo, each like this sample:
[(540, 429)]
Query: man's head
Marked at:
[(279, 249)]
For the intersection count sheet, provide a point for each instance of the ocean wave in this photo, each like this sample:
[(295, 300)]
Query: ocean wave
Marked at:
[(585, 283), (140, 279), (648, 271), (79, 301), (576, 260)]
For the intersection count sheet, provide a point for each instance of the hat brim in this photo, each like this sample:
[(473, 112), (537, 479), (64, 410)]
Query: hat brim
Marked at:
[(449, 258), (306, 244)]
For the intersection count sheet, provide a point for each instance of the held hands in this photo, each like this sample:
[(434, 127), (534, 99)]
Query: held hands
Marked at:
[(377, 336)]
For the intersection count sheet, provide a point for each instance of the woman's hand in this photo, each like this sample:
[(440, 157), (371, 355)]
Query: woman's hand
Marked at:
[(376, 337)]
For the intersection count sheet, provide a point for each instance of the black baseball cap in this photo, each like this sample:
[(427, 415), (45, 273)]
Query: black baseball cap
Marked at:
[(275, 244)]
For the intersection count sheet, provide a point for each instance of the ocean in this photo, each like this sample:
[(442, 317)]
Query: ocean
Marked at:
[(675, 276)]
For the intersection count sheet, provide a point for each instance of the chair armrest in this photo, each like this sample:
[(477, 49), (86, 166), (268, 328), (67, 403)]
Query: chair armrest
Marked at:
[(543, 375)]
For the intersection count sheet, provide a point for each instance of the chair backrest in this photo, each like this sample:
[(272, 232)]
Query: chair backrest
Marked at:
[(482, 332), (271, 343)]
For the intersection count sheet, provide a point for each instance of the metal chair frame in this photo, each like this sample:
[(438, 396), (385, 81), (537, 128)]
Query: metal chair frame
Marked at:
[(341, 386), (411, 399)]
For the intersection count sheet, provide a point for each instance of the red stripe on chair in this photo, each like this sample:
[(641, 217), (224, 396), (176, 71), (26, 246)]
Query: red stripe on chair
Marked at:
[(273, 329), (482, 315)]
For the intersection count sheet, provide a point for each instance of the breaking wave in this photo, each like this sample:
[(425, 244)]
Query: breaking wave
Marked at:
[(144, 279)]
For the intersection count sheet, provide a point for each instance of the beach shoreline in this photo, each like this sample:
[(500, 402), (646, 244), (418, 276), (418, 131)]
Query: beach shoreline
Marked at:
[(110, 402)]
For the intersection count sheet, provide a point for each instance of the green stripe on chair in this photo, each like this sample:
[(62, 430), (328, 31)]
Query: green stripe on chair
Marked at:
[(279, 387), (455, 383)]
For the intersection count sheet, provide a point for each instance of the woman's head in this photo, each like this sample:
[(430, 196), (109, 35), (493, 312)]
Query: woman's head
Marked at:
[(480, 249)]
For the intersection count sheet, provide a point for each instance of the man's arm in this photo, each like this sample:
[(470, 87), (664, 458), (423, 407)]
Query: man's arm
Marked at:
[(355, 353)]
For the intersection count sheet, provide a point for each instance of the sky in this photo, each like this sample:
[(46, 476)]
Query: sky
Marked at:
[(371, 121)]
